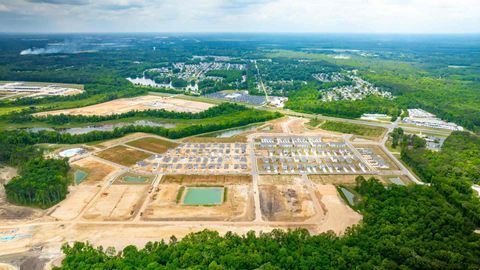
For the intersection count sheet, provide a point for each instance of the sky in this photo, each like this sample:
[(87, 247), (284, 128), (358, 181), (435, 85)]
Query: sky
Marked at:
[(320, 16)]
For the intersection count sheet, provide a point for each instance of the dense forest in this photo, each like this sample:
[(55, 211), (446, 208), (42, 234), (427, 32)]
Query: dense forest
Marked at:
[(459, 159), (43, 183)]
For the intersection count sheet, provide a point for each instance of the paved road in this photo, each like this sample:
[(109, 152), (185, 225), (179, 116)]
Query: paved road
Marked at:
[(261, 81), (256, 192)]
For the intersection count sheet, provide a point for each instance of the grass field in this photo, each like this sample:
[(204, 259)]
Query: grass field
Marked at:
[(133, 179), (314, 122), (153, 144), (360, 130), (123, 155)]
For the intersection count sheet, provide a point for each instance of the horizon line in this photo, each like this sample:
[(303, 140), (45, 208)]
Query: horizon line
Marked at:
[(255, 33)]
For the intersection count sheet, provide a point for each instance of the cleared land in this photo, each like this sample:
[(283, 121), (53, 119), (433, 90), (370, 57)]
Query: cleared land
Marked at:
[(79, 196), (118, 202), (266, 179), (123, 155), (286, 203), (207, 179), (166, 202), (96, 170), (153, 144), (76, 201), (339, 216), (339, 179), (142, 103), (163, 205)]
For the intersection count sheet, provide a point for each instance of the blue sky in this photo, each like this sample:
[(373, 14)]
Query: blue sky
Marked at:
[(335, 16)]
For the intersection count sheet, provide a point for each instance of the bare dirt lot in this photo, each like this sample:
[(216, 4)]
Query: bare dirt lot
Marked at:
[(338, 216), (142, 103), (123, 155), (207, 179), (297, 125), (80, 195), (153, 144), (338, 179), (97, 171), (286, 203), (118, 202), (279, 179), (76, 201), (163, 205)]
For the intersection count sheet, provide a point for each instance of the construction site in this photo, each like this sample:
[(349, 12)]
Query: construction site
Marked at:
[(145, 187), (142, 103), (15, 90)]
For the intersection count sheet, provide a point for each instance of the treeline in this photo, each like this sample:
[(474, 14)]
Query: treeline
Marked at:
[(43, 183), (411, 227), (224, 121), (222, 109)]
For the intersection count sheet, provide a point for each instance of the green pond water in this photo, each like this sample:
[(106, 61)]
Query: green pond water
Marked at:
[(397, 181), (79, 176), (350, 196), (134, 179), (203, 196)]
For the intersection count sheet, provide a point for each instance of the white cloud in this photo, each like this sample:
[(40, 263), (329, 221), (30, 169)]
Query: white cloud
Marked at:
[(3, 7), (395, 16)]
